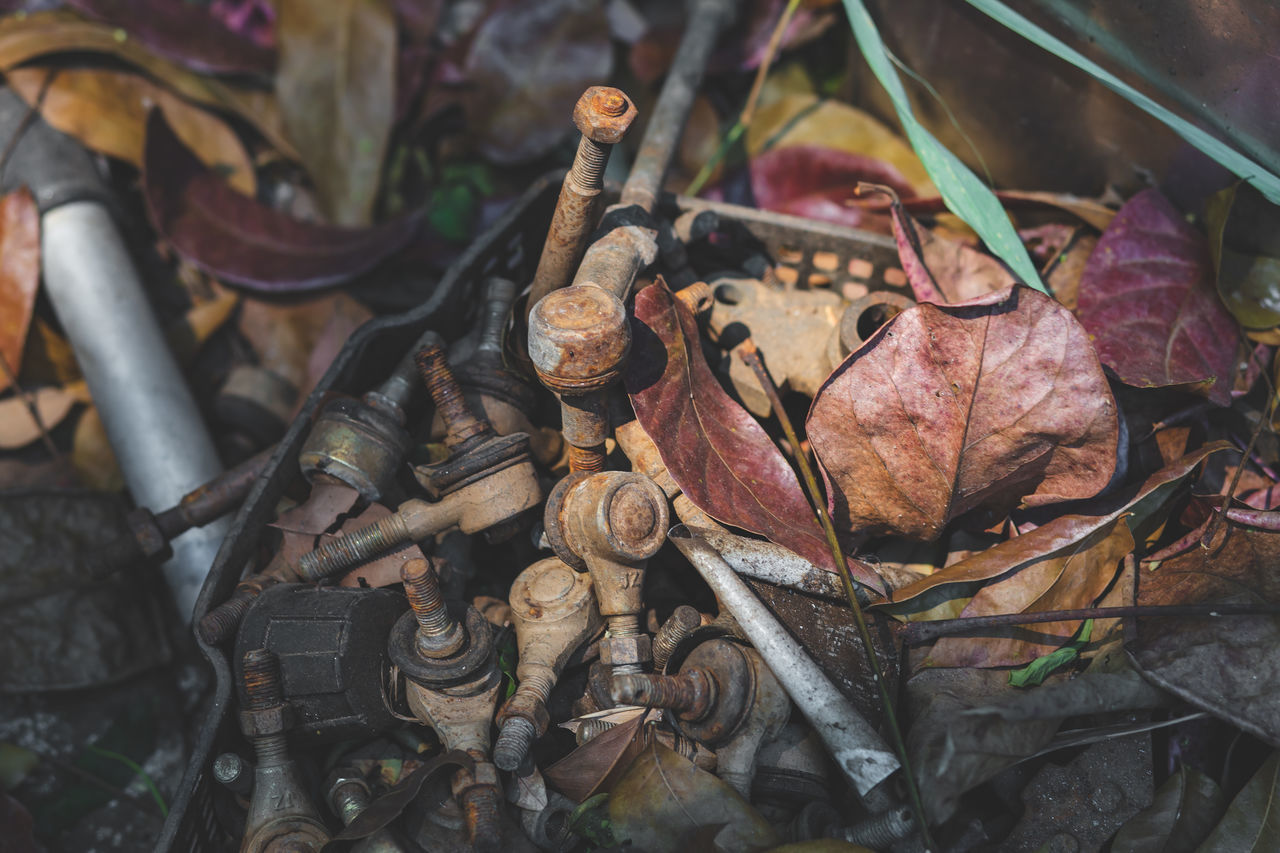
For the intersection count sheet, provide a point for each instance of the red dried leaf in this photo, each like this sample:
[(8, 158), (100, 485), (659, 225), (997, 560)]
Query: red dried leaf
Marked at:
[(19, 275), (239, 240), (819, 183), (1147, 299), (951, 407), (721, 458), (940, 270)]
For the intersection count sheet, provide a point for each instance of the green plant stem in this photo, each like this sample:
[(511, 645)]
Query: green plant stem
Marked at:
[(748, 111), (748, 352), (136, 768)]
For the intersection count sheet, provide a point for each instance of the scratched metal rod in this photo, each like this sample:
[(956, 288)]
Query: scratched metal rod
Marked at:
[(857, 748)]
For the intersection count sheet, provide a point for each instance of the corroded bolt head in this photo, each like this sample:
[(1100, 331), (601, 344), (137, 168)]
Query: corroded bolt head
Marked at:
[(603, 114), (579, 338), (632, 514)]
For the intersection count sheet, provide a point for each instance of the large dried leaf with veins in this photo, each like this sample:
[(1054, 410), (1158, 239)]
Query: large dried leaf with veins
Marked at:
[(721, 458), (1148, 301), (952, 407)]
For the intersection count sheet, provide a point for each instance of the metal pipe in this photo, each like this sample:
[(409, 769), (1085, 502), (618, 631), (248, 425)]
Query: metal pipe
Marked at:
[(150, 417), (707, 19), (858, 750)]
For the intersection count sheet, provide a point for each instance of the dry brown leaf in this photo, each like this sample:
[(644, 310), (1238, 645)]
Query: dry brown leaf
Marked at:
[(952, 407), (91, 454), (107, 111), (18, 428), (19, 276)]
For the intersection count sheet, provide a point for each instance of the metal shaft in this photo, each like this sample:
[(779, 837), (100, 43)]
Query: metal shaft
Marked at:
[(356, 547), (707, 20), (857, 748), (461, 423), (678, 626)]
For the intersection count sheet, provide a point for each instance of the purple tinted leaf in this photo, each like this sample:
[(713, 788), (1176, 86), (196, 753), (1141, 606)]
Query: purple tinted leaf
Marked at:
[(184, 32), (1147, 299), (721, 458), (819, 182), (244, 242), (528, 64)]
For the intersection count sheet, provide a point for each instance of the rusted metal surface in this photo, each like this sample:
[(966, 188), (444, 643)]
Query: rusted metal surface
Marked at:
[(613, 262), (461, 423), (612, 523), (673, 632), (438, 634), (791, 328), (219, 625), (356, 444), (554, 611), (864, 316), (603, 115), (706, 21), (280, 811), (578, 341)]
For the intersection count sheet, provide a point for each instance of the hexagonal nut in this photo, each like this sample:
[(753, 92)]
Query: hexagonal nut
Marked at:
[(147, 532), (529, 707), (256, 722), (603, 114), (615, 651)]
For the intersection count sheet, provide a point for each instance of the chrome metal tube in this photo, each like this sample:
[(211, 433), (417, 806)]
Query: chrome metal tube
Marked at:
[(151, 419), (857, 748)]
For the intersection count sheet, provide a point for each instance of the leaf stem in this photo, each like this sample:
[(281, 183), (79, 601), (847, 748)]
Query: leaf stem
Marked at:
[(748, 111), (914, 633), (750, 354)]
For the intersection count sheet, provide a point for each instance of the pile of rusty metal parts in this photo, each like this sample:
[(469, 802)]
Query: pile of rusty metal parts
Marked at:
[(429, 610)]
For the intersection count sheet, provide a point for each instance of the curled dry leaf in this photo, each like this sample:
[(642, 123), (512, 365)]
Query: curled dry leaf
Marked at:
[(336, 86), (1148, 302), (1243, 246), (107, 111), (1074, 578), (18, 428), (19, 276), (952, 407), (184, 32), (940, 269), (527, 66), (719, 455), (241, 241), (599, 763), (664, 802), (23, 38), (1063, 535)]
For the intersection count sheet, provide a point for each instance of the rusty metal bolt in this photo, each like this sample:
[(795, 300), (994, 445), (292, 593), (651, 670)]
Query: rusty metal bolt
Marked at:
[(480, 805), (461, 423), (264, 692), (591, 728), (678, 626), (221, 623), (439, 634), (354, 548), (603, 114), (690, 694), (883, 830)]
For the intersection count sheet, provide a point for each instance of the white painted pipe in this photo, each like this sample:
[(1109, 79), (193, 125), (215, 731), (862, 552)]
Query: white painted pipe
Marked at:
[(857, 748), (151, 419)]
